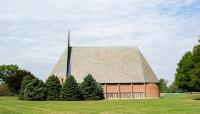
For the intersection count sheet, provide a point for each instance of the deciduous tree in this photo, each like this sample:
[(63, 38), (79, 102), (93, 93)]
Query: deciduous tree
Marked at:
[(12, 75), (7, 71), (15, 81), (188, 71), (163, 85)]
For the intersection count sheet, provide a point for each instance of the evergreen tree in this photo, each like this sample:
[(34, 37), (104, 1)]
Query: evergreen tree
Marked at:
[(35, 90), (90, 89), (100, 93), (53, 87), (70, 90), (24, 83)]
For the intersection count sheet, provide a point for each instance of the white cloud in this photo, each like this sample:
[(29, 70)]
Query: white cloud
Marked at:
[(33, 33)]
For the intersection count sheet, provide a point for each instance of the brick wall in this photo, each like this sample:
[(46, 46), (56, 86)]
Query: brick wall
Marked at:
[(112, 88), (150, 90)]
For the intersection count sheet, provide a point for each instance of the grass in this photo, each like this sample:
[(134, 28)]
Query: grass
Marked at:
[(169, 104)]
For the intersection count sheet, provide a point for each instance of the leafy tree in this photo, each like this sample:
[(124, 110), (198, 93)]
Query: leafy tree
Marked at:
[(188, 71), (195, 72), (7, 71), (35, 90), (2, 82), (15, 81), (183, 78), (53, 87), (12, 76), (70, 90), (174, 89), (90, 89), (163, 85)]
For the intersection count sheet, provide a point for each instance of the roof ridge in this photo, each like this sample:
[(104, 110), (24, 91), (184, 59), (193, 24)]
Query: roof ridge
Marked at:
[(141, 67), (104, 47), (146, 67)]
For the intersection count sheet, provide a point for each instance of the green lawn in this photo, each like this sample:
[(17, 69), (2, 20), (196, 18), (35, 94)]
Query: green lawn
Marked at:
[(169, 104)]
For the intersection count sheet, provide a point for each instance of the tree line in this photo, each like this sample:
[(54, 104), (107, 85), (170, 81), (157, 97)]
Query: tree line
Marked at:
[(187, 77), (35, 89), (165, 88), (10, 79), (22, 83)]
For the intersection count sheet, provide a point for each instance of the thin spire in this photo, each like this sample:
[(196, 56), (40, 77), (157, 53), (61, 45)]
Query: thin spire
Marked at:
[(69, 38), (69, 49)]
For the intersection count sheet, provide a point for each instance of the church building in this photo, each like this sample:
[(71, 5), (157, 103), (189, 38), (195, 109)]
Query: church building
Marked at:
[(123, 71)]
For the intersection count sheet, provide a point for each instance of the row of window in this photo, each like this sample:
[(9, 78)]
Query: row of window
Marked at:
[(125, 95)]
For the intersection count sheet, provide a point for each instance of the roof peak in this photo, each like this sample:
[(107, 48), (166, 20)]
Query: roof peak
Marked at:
[(104, 47)]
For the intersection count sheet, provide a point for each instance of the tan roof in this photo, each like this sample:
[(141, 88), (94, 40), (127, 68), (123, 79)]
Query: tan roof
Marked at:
[(60, 68), (107, 65)]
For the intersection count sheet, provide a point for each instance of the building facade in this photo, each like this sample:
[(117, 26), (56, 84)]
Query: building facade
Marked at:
[(123, 71)]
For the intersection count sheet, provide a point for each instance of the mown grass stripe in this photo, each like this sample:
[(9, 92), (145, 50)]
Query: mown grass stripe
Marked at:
[(171, 104)]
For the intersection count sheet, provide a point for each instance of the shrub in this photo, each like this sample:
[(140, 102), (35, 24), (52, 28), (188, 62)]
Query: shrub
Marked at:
[(35, 90), (5, 90), (90, 89), (53, 87), (70, 90)]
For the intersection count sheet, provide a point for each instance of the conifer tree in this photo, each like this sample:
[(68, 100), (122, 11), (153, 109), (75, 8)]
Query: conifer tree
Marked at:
[(90, 89), (53, 87), (24, 83), (70, 90), (35, 90)]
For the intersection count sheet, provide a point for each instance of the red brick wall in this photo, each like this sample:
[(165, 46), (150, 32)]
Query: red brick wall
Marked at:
[(112, 88), (125, 88), (138, 87), (152, 89)]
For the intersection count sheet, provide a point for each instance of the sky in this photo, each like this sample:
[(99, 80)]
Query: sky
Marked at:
[(33, 33)]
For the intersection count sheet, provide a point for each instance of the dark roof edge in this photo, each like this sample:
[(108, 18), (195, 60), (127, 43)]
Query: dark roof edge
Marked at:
[(104, 47)]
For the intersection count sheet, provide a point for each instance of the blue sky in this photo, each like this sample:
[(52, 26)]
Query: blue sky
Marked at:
[(33, 33)]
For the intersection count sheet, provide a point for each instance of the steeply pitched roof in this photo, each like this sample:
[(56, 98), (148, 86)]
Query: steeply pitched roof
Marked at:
[(107, 65), (60, 68)]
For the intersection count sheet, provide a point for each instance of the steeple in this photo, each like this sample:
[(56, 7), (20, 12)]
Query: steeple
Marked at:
[(69, 49), (68, 38)]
